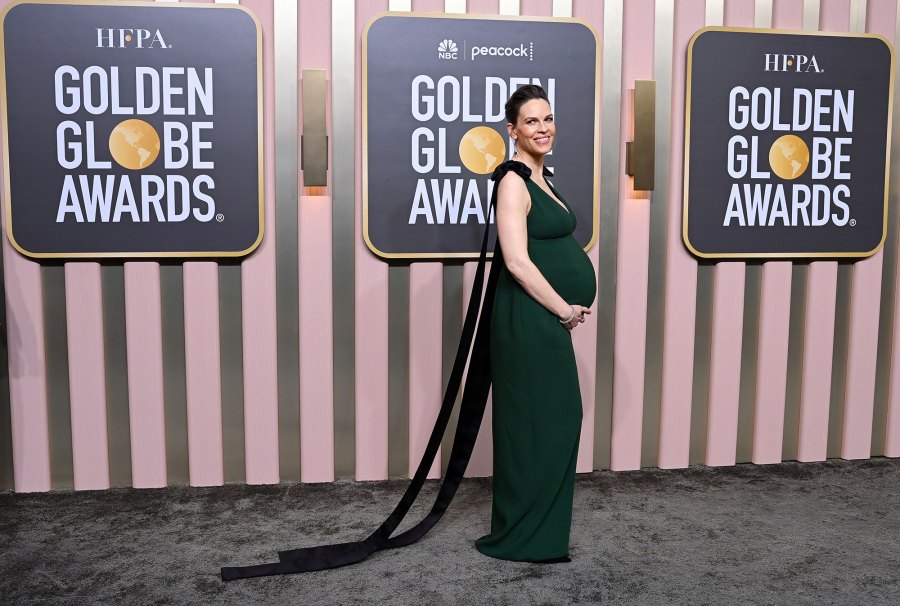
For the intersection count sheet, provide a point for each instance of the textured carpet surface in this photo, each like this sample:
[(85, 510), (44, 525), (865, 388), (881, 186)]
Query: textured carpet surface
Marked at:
[(794, 533)]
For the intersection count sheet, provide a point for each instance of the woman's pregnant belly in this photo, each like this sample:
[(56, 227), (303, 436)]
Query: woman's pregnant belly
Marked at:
[(566, 267)]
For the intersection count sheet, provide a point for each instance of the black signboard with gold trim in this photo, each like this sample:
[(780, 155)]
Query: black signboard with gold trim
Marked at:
[(787, 143), (434, 129), (131, 129)]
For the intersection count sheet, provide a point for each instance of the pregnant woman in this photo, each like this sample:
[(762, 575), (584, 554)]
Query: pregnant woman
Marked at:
[(540, 287), (543, 292)]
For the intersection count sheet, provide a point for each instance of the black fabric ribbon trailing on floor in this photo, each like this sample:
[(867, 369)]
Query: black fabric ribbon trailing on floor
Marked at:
[(475, 393)]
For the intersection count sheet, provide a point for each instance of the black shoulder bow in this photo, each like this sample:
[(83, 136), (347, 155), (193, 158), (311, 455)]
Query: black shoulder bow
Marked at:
[(517, 167)]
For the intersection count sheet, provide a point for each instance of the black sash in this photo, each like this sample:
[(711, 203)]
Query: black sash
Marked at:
[(475, 393)]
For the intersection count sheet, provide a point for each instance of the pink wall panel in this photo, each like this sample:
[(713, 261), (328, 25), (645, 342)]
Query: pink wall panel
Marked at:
[(315, 280), (27, 368), (425, 339), (428, 6), (821, 294), (818, 337), (774, 317), (739, 13), (259, 330), (316, 349), (727, 324), (632, 258), (203, 373), (425, 360), (681, 267), (771, 374), (484, 7), (862, 349), (585, 338), (143, 343), (482, 461), (371, 313), (787, 14), (725, 363), (892, 420), (87, 375)]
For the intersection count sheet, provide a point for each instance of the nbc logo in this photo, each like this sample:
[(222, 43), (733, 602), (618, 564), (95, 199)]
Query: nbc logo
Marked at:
[(447, 49)]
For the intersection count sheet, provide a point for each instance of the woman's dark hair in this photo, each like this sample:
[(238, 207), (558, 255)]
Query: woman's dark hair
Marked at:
[(526, 93)]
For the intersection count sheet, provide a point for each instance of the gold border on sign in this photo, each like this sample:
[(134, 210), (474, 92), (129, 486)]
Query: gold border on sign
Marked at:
[(687, 147), (259, 126), (365, 130)]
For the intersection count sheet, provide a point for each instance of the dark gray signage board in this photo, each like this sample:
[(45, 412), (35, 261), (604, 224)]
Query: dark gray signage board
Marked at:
[(787, 143), (434, 88), (132, 129)]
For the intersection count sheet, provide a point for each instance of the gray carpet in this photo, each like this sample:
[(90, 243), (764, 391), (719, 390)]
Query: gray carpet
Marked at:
[(810, 533)]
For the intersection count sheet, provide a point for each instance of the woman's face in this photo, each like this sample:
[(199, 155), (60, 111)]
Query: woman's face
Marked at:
[(535, 131)]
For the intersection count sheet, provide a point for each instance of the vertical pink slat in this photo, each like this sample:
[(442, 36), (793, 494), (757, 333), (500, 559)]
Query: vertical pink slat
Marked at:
[(27, 370), (87, 375), (681, 267), (585, 338), (725, 363), (258, 314), (536, 8), (892, 420), (834, 15), (146, 392), (787, 14), (316, 349), (727, 324), (425, 359), (859, 397), (818, 337), (771, 375), (482, 461), (371, 310), (821, 293), (428, 6), (143, 343), (774, 317), (27, 360), (203, 373), (315, 280), (484, 7), (632, 258), (425, 339), (739, 13)]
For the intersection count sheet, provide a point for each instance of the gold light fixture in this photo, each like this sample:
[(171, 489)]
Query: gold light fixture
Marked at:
[(640, 153), (313, 137)]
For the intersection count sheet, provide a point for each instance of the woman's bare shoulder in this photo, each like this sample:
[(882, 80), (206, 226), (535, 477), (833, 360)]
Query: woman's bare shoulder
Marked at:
[(512, 185), (513, 194)]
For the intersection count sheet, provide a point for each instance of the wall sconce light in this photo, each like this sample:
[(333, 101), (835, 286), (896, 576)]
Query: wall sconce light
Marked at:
[(640, 153), (313, 138)]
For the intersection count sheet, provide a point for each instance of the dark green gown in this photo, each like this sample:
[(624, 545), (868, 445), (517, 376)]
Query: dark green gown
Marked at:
[(537, 400)]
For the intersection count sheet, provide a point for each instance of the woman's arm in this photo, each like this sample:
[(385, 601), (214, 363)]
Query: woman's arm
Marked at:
[(511, 210)]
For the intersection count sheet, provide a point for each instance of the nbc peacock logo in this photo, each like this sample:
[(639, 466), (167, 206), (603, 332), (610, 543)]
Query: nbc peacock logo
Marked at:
[(447, 49)]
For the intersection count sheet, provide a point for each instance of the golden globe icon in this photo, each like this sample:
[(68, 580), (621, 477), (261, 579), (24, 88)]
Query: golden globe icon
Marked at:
[(134, 144), (482, 150), (789, 157)]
